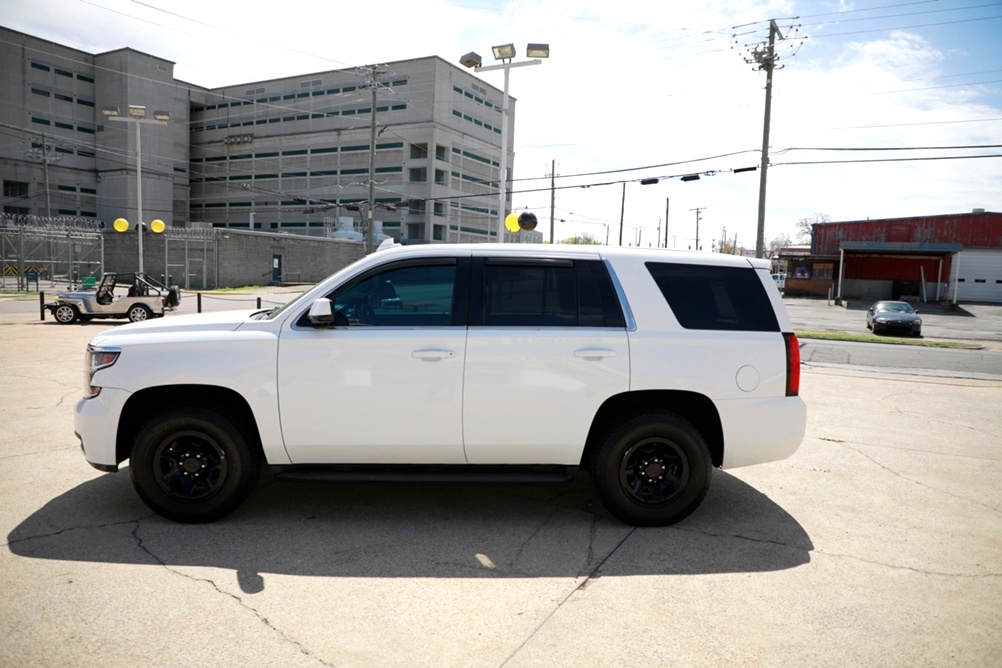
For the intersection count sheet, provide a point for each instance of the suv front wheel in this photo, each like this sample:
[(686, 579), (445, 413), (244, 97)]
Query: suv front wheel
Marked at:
[(193, 465), (652, 470)]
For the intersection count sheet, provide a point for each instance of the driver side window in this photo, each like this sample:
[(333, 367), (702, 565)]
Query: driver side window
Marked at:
[(409, 296)]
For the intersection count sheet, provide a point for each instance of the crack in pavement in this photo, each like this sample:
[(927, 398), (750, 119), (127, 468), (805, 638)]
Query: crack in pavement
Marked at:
[(918, 482), (240, 601), (39, 452), (59, 532), (899, 567), (583, 584)]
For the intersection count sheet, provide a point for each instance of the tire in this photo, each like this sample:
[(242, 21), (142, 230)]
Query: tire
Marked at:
[(192, 464), (66, 314), (139, 313), (652, 470)]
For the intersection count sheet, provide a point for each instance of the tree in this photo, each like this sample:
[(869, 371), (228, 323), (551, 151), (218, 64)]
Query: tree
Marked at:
[(804, 226), (582, 239), (779, 242)]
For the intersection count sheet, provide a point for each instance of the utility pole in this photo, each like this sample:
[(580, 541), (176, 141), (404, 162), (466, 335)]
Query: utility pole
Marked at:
[(553, 197), (698, 211), (374, 70), (44, 153), (622, 212), (667, 202), (765, 58)]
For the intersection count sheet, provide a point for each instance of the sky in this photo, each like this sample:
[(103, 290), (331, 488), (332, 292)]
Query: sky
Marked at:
[(880, 108)]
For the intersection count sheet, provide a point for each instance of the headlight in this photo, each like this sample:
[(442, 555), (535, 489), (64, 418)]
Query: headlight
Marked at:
[(97, 359), (880, 320)]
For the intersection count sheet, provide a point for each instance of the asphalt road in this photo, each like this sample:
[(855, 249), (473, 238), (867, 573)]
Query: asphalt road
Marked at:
[(878, 543)]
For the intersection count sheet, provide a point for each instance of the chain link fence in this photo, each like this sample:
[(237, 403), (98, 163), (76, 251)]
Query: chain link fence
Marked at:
[(39, 252)]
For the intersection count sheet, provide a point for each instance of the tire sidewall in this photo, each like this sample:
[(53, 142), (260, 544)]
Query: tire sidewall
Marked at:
[(147, 314), (242, 464), (605, 469), (66, 321)]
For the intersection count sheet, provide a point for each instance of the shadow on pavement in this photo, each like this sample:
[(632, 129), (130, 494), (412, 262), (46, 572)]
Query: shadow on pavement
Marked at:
[(417, 531)]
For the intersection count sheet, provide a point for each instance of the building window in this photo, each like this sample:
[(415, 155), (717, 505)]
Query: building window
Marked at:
[(441, 153), (823, 271), (419, 151), (418, 175), (440, 176)]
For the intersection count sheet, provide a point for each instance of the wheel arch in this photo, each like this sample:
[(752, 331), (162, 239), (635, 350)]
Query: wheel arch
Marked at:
[(697, 408), (223, 400)]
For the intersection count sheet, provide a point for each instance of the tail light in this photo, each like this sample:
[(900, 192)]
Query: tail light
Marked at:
[(792, 364)]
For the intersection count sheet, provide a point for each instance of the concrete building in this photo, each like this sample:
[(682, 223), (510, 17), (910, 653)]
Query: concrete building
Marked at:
[(289, 155)]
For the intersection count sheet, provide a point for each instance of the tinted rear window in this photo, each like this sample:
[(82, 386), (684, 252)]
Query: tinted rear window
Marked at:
[(708, 297)]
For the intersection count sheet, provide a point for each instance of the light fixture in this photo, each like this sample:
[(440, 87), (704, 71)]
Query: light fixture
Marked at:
[(537, 50), (471, 60), (161, 115), (503, 51), (137, 111), (111, 111)]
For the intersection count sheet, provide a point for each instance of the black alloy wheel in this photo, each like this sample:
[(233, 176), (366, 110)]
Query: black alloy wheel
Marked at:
[(652, 470), (193, 465)]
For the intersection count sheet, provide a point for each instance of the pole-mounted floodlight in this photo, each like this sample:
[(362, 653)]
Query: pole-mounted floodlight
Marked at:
[(505, 53), (537, 50), (471, 60)]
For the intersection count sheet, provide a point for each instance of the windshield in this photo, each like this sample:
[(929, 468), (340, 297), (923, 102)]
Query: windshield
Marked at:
[(895, 307)]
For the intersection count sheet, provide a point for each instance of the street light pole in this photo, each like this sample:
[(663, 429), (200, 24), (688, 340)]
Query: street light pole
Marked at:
[(137, 115), (505, 53), (139, 193)]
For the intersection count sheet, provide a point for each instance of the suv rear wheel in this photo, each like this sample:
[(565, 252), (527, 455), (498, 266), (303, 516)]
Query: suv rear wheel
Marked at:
[(652, 470), (192, 465)]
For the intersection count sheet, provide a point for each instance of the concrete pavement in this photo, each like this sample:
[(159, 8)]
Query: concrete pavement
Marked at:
[(878, 543)]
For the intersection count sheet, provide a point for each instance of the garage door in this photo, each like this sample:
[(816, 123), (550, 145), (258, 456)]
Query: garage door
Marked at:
[(980, 276)]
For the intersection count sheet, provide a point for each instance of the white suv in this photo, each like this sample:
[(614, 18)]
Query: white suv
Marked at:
[(461, 363)]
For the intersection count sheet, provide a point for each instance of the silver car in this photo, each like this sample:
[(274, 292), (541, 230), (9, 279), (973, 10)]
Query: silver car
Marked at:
[(144, 298)]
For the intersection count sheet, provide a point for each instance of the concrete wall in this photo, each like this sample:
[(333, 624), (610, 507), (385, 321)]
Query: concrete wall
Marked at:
[(245, 258)]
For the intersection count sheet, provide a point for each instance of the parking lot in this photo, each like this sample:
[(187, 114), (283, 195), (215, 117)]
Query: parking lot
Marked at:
[(878, 543)]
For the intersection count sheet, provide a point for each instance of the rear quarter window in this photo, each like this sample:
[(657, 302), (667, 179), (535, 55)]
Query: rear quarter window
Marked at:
[(712, 297)]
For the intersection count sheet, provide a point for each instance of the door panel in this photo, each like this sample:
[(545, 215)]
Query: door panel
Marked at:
[(530, 394), (385, 385)]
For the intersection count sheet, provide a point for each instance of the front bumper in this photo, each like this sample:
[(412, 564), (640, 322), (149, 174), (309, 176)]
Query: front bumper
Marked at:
[(95, 422)]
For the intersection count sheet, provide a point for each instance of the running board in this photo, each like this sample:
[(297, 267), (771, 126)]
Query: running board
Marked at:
[(421, 473)]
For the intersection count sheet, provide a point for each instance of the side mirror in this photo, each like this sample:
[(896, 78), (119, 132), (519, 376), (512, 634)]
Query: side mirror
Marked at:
[(321, 314)]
